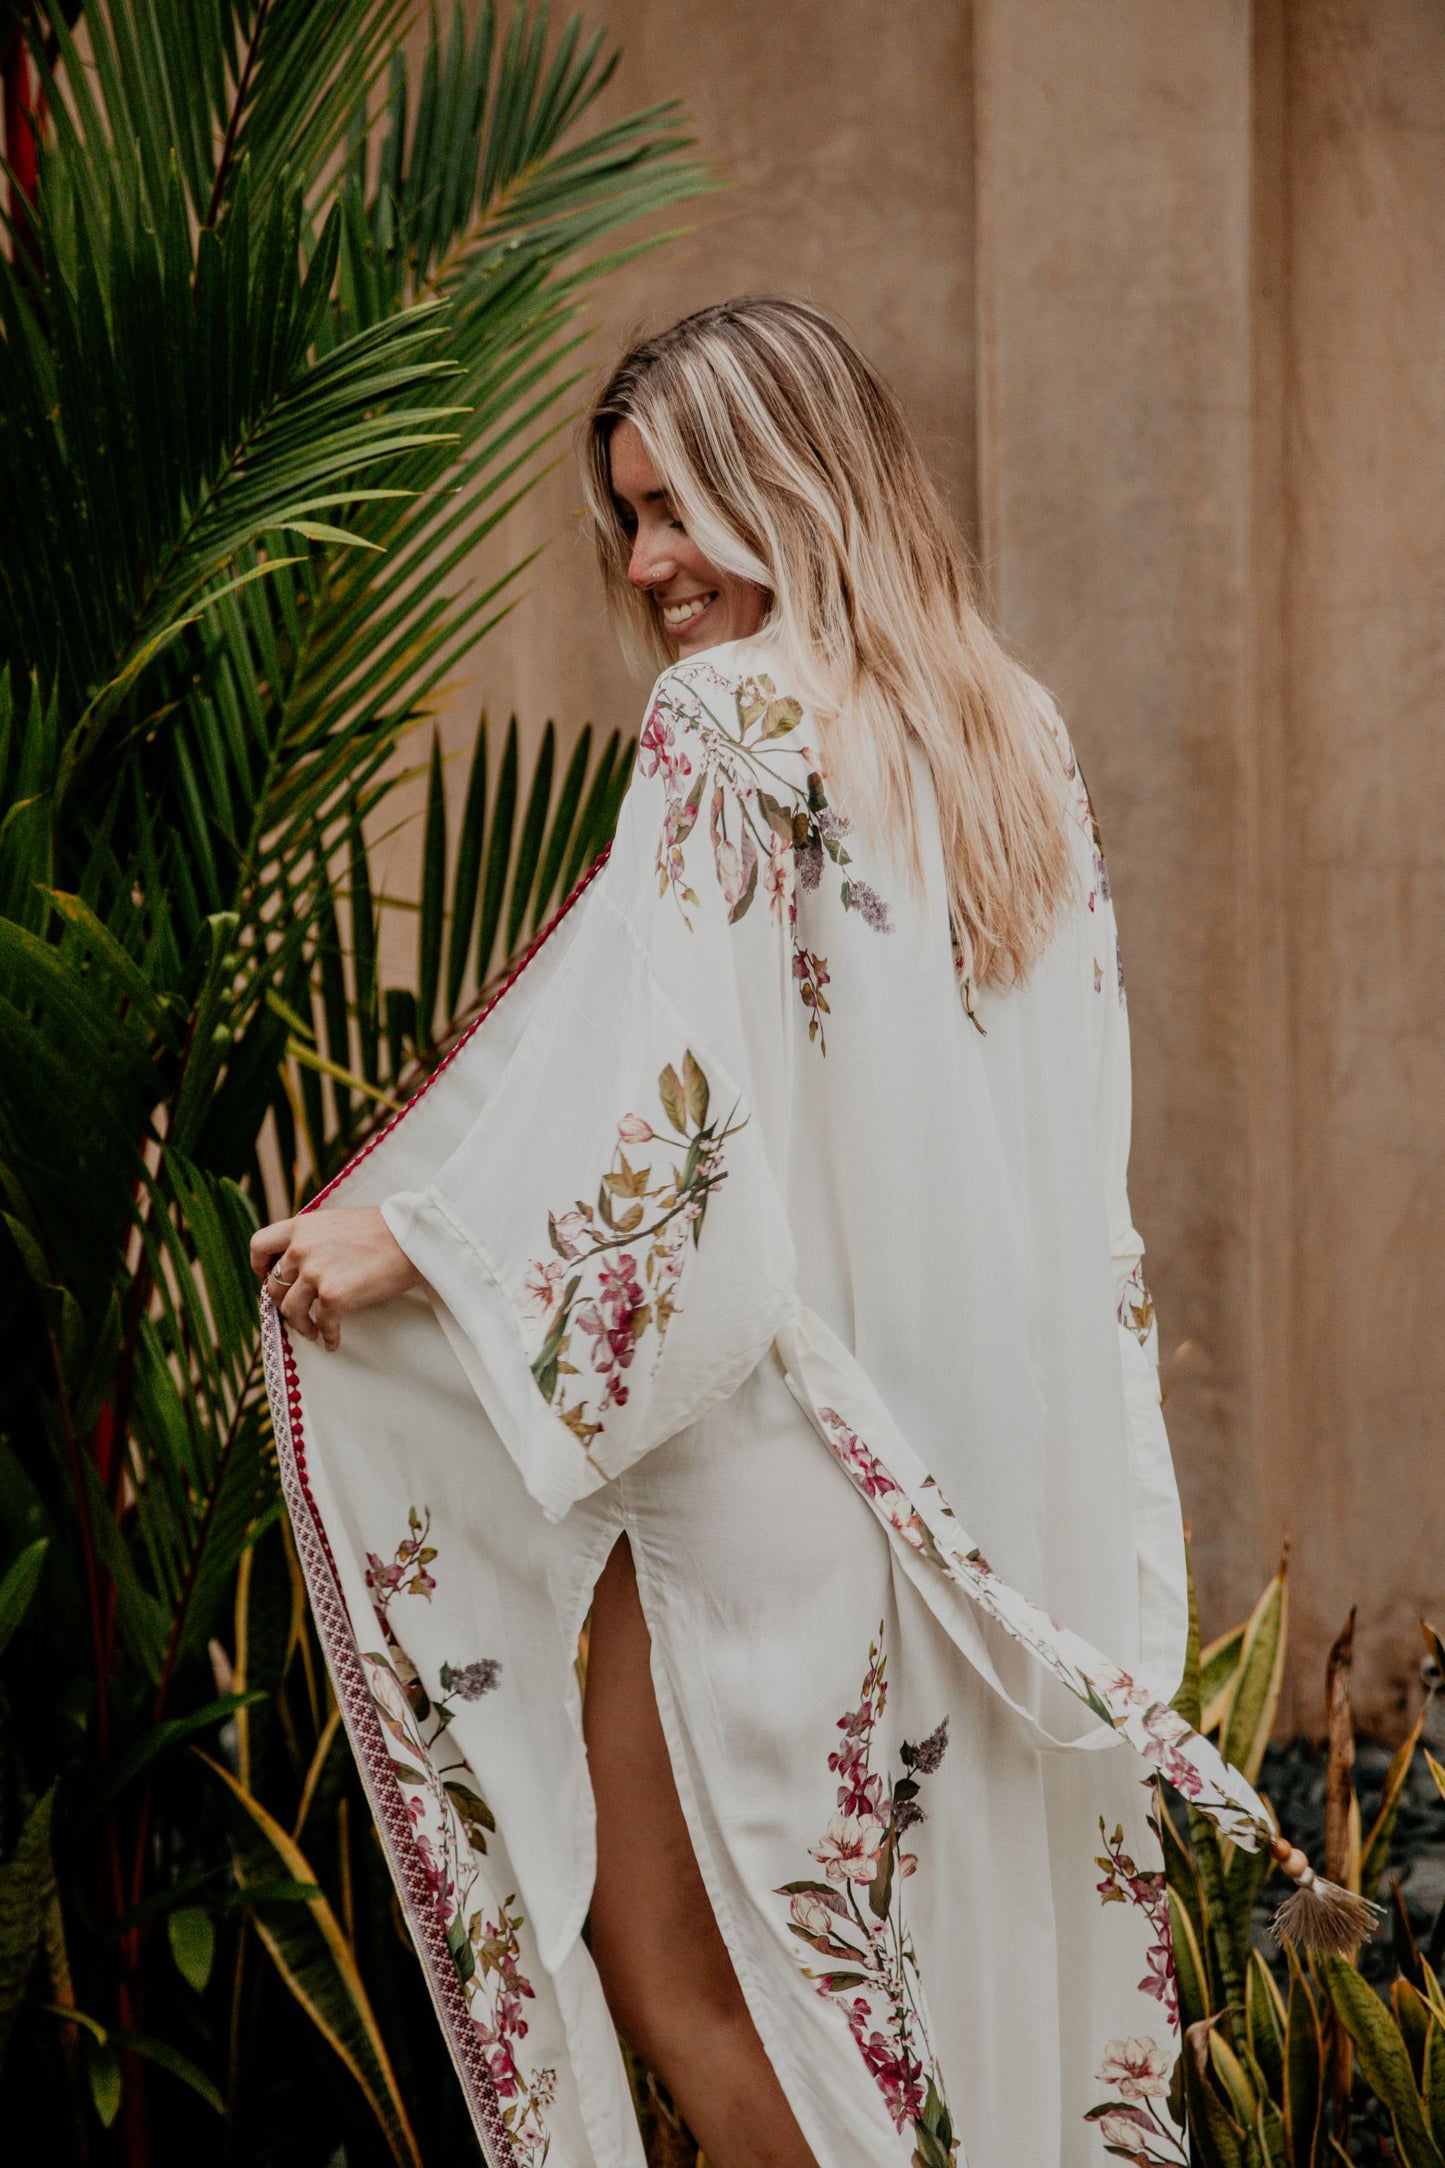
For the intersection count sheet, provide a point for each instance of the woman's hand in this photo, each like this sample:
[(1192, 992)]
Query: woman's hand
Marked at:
[(321, 1264)]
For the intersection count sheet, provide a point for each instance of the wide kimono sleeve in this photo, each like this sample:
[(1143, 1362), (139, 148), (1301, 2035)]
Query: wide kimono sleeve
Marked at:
[(608, 1248), (1163, 1587)]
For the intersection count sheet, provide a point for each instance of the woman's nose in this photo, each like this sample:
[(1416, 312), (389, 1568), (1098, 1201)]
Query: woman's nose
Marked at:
[(651, 562)]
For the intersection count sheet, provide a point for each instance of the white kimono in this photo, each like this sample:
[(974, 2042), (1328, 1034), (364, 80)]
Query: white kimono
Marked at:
[(744, 1237)]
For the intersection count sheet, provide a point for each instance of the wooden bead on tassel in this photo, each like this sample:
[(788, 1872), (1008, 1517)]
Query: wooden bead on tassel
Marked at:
[(1320, 1915)]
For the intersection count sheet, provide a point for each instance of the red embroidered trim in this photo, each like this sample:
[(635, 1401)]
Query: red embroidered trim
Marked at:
[(343, 1657)]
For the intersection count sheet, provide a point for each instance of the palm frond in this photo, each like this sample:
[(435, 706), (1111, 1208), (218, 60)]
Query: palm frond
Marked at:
[(210, 87)]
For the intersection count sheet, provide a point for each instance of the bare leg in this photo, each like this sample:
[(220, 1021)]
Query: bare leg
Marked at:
[(664, 1966)]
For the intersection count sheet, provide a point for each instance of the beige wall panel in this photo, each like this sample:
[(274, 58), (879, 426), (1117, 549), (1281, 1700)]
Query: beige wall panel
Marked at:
[(1116, 456), (1366, 699), (1162, 285)]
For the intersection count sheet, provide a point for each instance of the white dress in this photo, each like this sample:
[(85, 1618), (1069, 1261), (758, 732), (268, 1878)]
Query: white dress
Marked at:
[(744, 1236)]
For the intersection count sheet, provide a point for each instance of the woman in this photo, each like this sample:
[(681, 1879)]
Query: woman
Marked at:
[(771, 1232)]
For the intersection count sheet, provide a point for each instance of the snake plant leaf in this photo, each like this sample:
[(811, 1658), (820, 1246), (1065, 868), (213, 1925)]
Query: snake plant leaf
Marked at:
[(1217, 2139), (1375, 1852), (1225, 1928), (1218, 1676), (1383, 2059), (1304, 2064), (1196, 1998), (1412, 2014), (1265, 2022), (1235, 2079), (317, 1963), (1434, 2085), (1250, 1719)]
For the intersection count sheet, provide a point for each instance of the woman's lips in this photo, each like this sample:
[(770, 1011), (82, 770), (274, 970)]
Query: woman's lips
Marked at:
[(677, 616)]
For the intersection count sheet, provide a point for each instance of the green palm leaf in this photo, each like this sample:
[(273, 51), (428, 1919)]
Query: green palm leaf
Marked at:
[(265, 385)]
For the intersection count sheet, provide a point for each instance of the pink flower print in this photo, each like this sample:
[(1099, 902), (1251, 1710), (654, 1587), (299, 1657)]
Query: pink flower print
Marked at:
[(609, 1321), (902, 1517), (1182, 1774), (1121, 1690), (730, 871), (859, 1792), (886, 2019), (541, 1287), (872, 1476), (612, 1353), (406, 1571), (1121, 2127), (382, 1579), (1164, 1726), (865, 1796), (779, 876), (621, 1288), (1159, 1979), (435, 1873), (655, 747), (848, 1850), (736, 866), (896, 2073), (568, 1230), (814, 1914), (1138, 2067), (632, 1129)]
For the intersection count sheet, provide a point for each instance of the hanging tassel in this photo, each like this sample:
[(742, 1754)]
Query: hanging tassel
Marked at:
[(1320, 1915)]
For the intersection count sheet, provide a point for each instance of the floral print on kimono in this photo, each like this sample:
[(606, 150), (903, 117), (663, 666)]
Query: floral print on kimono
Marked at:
[(854, 1917), (1158, 1733), (617, 1262), (450, 1825), (1144, 2120), (765, 825)]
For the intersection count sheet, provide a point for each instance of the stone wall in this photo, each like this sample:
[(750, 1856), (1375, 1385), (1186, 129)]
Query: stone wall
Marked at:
[(1162, 285)]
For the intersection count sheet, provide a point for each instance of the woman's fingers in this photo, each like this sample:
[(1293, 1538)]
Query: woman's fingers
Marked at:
[(269, 1244), (296, 1304), (317, 1266)]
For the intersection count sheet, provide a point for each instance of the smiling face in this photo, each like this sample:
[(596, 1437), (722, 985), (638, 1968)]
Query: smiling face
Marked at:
[(697, 605)]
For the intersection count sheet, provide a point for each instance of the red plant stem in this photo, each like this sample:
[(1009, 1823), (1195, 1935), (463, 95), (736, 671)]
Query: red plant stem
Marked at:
[(22, 118)]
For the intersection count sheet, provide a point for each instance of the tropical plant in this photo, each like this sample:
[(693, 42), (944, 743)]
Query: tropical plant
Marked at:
[(286, 326), (1283, 2059)]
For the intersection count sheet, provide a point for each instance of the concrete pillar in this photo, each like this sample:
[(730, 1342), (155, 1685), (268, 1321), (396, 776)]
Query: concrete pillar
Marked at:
[(1364, 174), (1116, 458)]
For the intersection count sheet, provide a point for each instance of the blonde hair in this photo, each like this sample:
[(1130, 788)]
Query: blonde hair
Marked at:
[(788, 460)]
